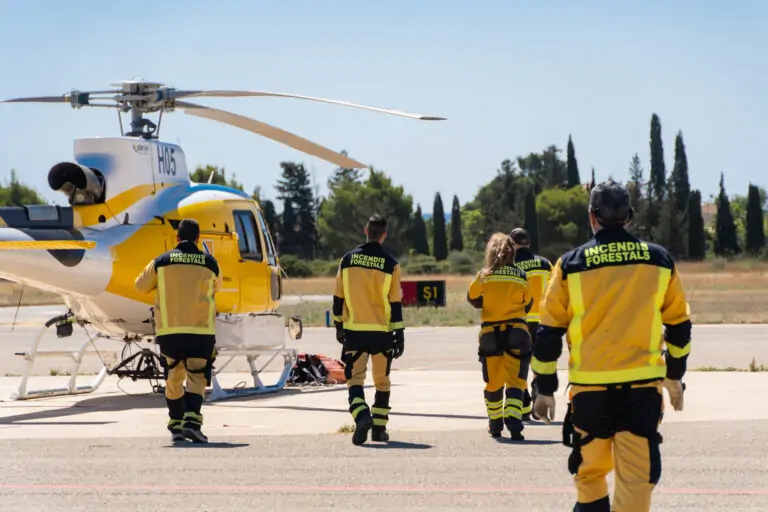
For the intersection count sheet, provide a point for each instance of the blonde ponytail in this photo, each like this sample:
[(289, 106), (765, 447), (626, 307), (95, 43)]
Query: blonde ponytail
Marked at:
[(499, 251)]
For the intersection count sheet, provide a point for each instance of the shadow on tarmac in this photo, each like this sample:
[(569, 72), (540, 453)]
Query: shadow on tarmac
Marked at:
[(120, 402), (401, 445), (98, 404), (539, 442), (207, 445)]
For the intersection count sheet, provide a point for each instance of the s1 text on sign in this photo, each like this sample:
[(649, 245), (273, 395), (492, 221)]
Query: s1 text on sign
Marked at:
[(423, 293)]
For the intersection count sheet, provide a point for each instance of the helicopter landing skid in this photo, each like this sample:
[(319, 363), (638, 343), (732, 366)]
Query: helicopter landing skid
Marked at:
[(64, 325)]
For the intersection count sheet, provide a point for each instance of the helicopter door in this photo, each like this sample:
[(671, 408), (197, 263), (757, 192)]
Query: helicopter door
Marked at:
[(254, 271), (275, 277)]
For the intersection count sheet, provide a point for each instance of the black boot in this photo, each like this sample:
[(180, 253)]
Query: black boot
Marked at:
[(380, 413), (193, 419), (379, 434), (362, 426), (495, 427), (601, 505), (360, 413), (176, 419)]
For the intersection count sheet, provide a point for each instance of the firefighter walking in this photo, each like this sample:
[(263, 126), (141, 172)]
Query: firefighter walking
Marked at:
[(368, 316), (537, 269), (186, 280), (500, 290), (612, 296)]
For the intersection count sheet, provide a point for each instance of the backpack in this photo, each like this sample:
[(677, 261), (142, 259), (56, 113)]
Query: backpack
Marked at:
[(316, 369)]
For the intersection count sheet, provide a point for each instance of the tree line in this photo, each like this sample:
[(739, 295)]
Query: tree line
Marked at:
[(541, 191)]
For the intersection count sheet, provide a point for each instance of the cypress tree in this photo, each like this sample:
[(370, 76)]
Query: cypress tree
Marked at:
[(419, 233), (439, 236), (697, 243), (726, 242), (680, 178), (592, 183), (658, 179), (457, 239), (531, 220), (755, 231), (572, 167), (635, 188)]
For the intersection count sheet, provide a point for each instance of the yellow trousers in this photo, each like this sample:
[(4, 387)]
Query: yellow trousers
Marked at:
[(506, 378), (184, 405), (616, 428), (356, 366)]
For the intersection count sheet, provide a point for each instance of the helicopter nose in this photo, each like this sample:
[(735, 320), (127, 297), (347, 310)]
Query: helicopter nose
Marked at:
[(49, 259)]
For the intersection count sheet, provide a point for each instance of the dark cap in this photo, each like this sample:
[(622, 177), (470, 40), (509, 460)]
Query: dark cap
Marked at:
[(610, 203), (188, 230), (520, 236), (377, 220), (376, 226)]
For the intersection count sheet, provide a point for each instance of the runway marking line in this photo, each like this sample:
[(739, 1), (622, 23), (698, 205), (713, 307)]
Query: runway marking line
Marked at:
[(352, 488)]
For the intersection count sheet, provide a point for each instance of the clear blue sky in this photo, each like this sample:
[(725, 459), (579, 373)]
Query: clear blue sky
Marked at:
[(510, 76)]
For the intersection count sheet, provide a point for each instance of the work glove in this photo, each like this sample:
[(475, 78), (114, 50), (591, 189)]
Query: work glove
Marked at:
[(675, 388), (397, 351), (339, 332), (544, 408)]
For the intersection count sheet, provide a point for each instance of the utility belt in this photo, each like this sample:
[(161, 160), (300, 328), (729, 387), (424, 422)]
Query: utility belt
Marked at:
[(179, 348), (514, 339), (349, 357), (575, 440)]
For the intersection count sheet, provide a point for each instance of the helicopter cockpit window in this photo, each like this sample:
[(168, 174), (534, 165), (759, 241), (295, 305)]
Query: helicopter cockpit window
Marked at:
[(271, 253), (249, 243)]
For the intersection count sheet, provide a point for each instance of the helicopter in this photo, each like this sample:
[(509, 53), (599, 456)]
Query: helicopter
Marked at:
[(126, 197)]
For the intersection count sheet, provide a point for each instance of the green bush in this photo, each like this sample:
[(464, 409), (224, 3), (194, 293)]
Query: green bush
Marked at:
[(419, 264), (295, 267), (324, 268), (461, 263)]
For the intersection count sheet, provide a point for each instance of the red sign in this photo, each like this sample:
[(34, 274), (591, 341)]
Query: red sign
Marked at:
[(409, 292)]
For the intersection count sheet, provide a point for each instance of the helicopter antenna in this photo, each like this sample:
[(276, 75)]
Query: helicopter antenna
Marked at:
[(210, 178)]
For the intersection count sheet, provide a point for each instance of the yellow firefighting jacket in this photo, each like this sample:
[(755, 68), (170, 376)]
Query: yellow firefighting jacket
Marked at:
[(368, 297), (611, 297), (503, 296), (537, 269), (186, 280)]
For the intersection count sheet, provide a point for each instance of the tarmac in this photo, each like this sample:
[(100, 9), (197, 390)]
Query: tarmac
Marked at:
[(284, 451)]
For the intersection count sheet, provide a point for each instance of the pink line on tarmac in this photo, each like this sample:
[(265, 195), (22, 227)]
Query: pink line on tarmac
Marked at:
[(349, 488)]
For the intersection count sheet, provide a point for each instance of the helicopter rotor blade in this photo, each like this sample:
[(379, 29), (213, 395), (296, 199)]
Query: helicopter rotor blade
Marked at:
[(236, 94), (39, 99), (79, 98), (270, 132)]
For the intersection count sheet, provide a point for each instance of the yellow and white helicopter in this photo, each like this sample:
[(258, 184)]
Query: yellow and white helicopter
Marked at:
[(126, 196)]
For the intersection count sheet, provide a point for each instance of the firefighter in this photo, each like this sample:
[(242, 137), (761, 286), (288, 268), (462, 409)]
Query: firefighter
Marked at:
[(611, 296), (368, 316), (186, 280), (500, 290), (537, 269)]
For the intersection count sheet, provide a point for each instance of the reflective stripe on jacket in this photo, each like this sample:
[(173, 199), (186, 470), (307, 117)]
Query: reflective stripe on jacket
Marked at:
[(537, 270), (186, 280), (368, 296), (612, 297)]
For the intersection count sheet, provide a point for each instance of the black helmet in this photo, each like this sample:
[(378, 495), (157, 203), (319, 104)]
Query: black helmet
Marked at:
[(610, 203), (520, 236)]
